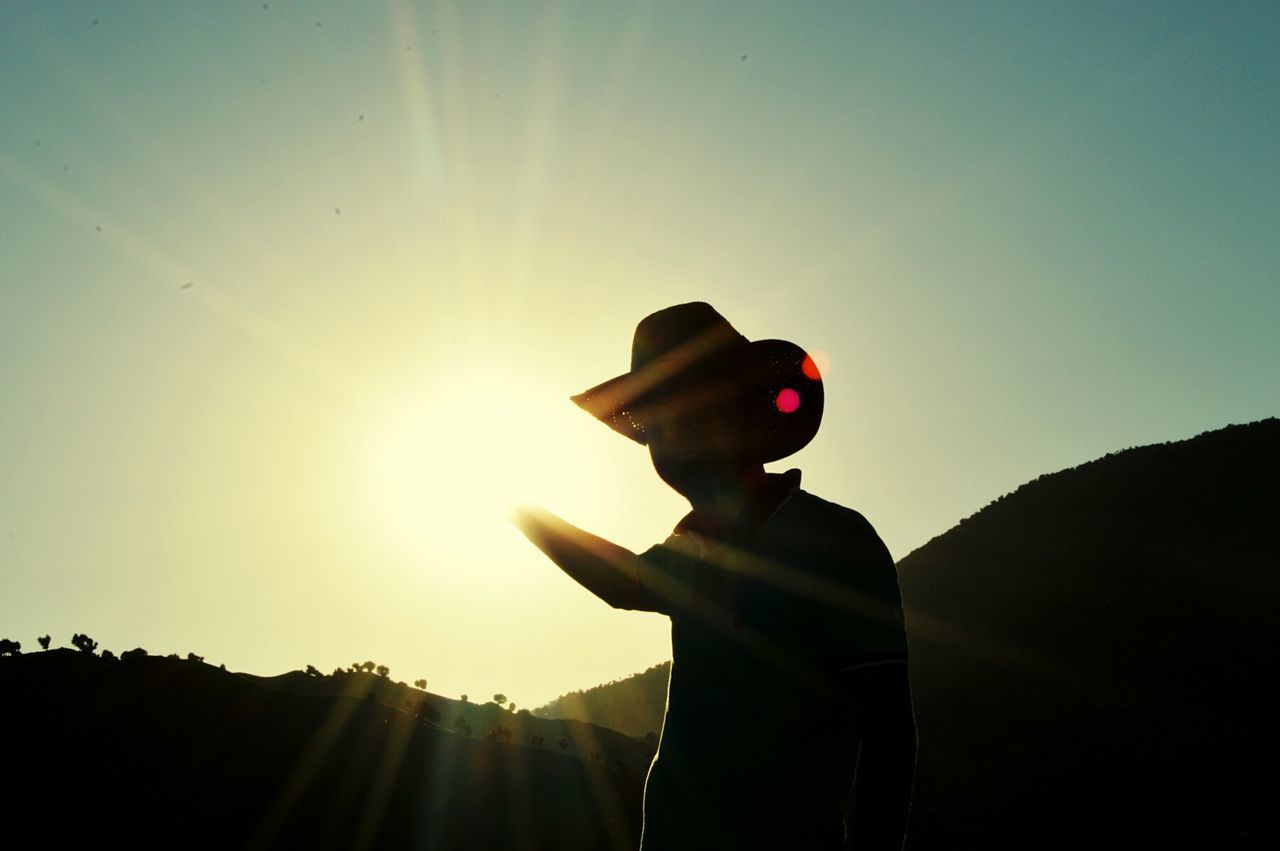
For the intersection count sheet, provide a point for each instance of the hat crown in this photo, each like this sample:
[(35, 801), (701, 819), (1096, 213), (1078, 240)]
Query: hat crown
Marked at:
[(684, 333)]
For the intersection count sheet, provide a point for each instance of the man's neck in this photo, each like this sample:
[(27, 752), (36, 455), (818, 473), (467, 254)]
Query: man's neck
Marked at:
[(728, 500)]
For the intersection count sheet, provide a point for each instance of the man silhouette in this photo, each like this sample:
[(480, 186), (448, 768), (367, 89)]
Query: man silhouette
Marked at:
[(788, 688)]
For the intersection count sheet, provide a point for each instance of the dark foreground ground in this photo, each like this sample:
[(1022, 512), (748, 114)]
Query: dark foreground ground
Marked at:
[(159, 752)]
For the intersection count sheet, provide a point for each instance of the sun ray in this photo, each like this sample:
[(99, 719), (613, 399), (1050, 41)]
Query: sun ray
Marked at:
[(387, 771), (341, 711), (607, 804), (542, 113)]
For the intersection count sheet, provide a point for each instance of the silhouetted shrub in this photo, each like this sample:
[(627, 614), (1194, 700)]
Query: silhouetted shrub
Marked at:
[(44, 642), (135, 653), (313, 671), (107, 654), (422, 684), (383, 670), (191, 657), (84, 642), (9, 647)]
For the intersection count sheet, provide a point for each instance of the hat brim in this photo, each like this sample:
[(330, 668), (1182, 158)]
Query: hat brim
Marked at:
[(757, 373)]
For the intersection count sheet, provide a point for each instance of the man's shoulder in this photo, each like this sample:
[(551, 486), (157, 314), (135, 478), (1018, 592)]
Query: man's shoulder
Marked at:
[(826, 529), (809, 507)]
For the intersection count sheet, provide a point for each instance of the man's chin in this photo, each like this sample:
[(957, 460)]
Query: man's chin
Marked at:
[(697, 483)]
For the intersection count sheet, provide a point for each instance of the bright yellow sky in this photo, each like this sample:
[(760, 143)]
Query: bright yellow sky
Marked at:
[(290, 314)]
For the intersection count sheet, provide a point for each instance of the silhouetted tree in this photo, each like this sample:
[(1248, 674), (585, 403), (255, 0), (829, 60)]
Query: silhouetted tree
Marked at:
[(511, 707), (107, 654), (383, 670), (9, 647), (422, 684), (463, 698), (191, 657), (499, 733), (222, 667), (313, 671), (135, 653), (425, 712), (44, 642), (369, 666), (338, 672), (499, 698), (84, 642)]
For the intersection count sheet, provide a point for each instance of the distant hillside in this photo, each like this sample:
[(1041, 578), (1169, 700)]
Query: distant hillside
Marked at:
[(160, 752), (1091, 656), (1094, 650), (633, 705)]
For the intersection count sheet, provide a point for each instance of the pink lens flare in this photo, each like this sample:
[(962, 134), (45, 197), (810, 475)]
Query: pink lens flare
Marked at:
[(788, 400)]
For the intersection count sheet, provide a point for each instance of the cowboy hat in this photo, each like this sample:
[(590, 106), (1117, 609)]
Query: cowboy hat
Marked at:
[(688, 357)]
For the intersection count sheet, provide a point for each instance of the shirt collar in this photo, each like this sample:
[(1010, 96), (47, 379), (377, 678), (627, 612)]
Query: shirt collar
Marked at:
[(777, 487)]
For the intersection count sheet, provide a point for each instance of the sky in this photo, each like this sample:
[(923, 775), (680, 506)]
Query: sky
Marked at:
[(293, 295)]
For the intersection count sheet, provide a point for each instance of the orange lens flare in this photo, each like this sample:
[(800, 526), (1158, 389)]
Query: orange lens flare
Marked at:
[(810, 365)]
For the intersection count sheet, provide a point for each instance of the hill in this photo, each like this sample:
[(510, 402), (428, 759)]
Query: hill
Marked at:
[(160, 752), (633, 705), (1091, 652)]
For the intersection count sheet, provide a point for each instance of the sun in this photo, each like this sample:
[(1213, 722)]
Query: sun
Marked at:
[(453, 456)]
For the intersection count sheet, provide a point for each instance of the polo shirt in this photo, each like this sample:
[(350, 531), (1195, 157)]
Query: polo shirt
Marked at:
[(758, 748)]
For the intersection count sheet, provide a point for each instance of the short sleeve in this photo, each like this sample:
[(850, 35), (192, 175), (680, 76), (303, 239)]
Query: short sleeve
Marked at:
[(858, 601), (663, 571)]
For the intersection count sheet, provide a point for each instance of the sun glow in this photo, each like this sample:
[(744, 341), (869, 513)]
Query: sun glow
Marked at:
[(453, 457)]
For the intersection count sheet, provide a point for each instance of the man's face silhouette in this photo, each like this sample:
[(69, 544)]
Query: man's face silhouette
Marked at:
[(700, 448)]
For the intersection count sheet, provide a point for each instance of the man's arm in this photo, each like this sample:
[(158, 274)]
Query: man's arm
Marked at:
[(879, 696), (602, 567)]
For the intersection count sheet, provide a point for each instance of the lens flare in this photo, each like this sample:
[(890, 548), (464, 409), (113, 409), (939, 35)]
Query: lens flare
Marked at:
[(815, 365), (788, 400)]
